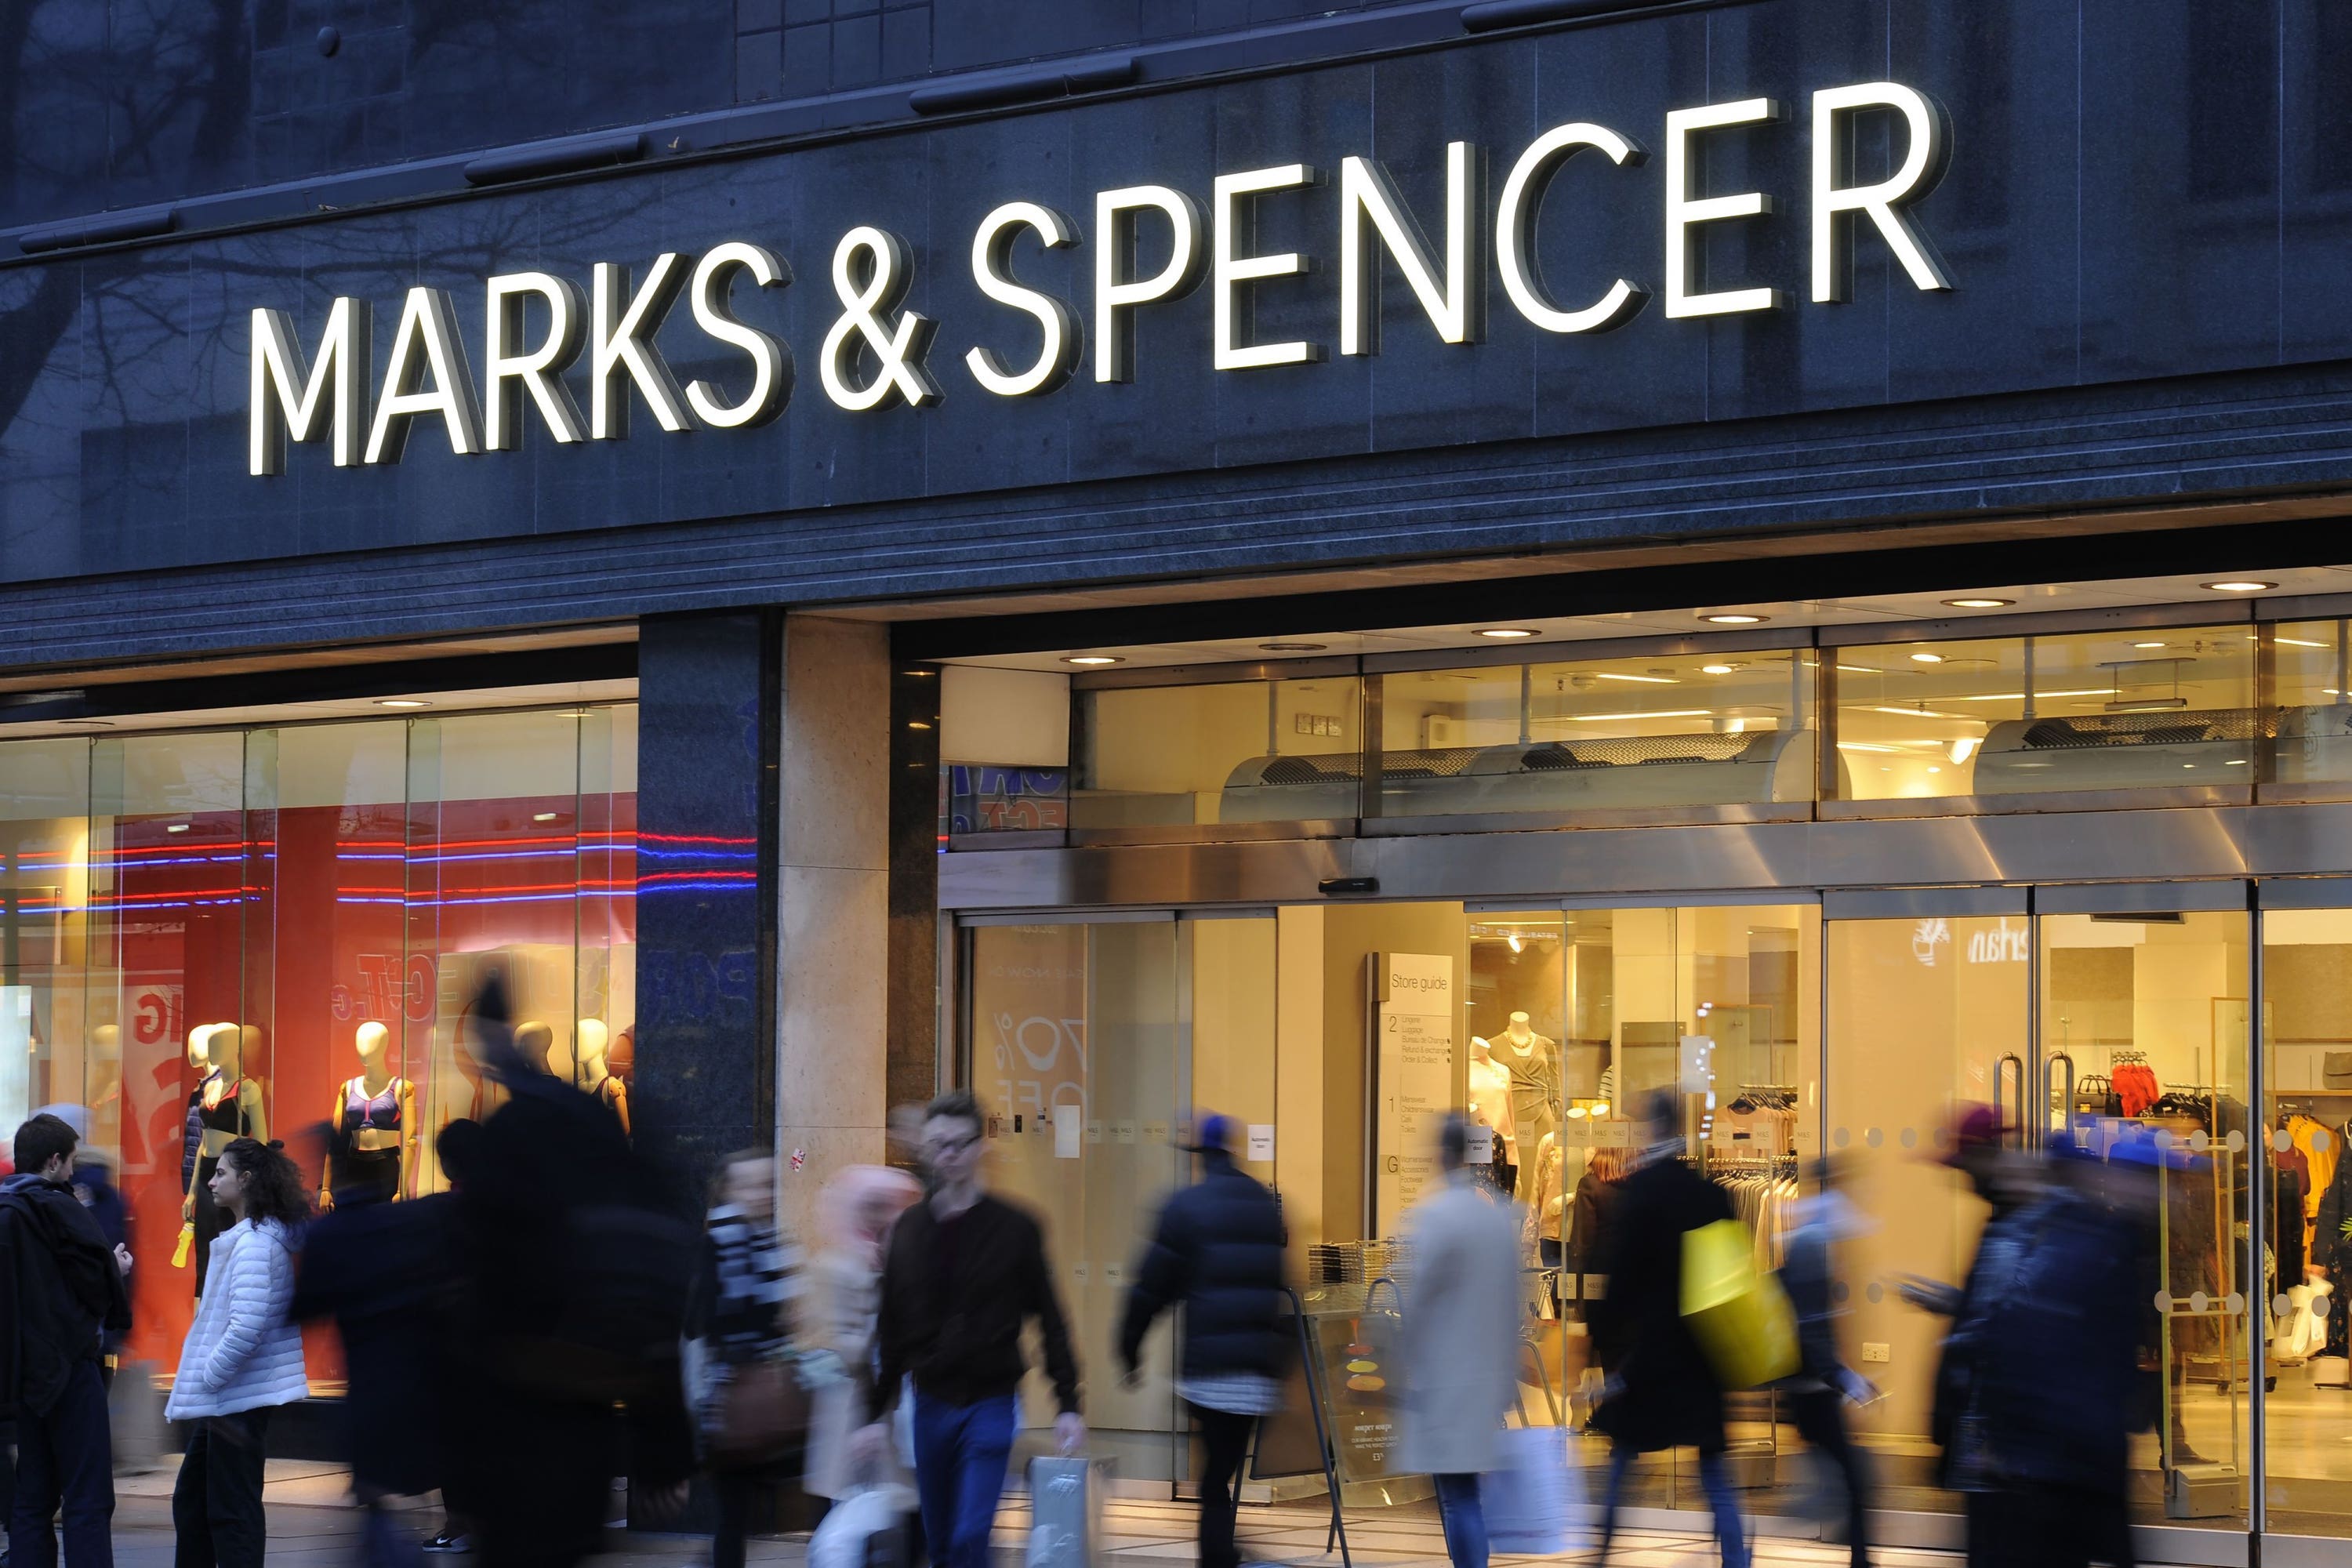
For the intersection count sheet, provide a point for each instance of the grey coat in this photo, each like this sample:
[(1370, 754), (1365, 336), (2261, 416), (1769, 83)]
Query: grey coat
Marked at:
[(1459, 1347)]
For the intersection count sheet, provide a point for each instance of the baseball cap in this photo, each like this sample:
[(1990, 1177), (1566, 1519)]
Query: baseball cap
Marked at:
[(1212, 1132)]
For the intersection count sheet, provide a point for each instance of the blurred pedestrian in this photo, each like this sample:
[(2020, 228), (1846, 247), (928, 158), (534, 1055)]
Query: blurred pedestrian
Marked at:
[(1824, 1385), (1662, 1392), (855, 1210), (1216, 1252), (963, 1272), (456, 1147), (379, 1268), (93, 1183), (64, 1286), (242, 1358), (744, 1309), (1458, 1345), (576, 1279)]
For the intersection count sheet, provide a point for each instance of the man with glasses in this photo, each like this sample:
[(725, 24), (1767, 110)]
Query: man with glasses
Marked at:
[(962, 1273)]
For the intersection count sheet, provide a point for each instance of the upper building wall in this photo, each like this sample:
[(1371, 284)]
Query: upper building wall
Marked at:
[(113, 104)]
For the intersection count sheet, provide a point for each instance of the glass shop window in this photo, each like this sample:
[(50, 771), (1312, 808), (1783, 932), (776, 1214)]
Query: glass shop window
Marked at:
[(1231, 752), (273, 932), (2312, 678), (2098, 711), (1668, 732)]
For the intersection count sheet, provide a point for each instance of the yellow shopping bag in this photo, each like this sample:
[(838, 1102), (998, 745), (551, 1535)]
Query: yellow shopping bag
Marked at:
[(1741, 1319)]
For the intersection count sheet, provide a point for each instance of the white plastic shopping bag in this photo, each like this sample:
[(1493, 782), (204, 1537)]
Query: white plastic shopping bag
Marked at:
[(1066, 1499), (861, 1529), (1534, 1501)]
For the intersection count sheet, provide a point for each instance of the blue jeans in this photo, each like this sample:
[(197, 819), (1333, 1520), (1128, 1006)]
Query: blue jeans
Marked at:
[(961, 1452), (1713, 1476), (1463, 1518), (66, 1457)]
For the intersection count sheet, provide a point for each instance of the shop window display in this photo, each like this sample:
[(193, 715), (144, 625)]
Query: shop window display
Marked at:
[(274, 933)]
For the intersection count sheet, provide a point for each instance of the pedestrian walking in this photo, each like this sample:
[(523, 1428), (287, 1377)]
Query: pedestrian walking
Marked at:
[(855, 1210), (1661, 1393), (1824, 1385), (379, 1269), (1458, 1345), (744, 1307), (64, 1286), (963, 1272), (1216, 1252), (242, 1358)]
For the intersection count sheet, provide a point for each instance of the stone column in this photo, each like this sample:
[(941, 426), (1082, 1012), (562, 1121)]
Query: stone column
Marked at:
[(832, 968)]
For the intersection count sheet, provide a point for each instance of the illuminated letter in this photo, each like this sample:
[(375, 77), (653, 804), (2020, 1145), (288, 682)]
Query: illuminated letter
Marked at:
[(1235, 196), (1833, 207), (620, 339), (428, 327), (771, 363), (275, 412), (1116, 297), (1686, 212), (898, 348), (991, 268), (1515, 231), (1365, 192), (510, 372)]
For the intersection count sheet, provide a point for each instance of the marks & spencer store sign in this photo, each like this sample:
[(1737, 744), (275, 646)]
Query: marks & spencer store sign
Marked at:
[(539, 331)]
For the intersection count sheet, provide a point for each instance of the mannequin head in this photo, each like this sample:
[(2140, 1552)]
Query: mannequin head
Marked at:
[(200, 1041), (373, 1040), (536, 1041), (252, 1054), (1518, 1028), (1480, 1051), (106, 1040), (225, 1045), (620, 1056)]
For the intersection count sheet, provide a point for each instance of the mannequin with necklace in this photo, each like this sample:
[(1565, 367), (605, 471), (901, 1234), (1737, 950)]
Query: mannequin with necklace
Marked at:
[(225, 1105), (374, 1115), (1534, 1067)]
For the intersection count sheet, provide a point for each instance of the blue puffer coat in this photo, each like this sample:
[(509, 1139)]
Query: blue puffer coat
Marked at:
[(1218, 1254)]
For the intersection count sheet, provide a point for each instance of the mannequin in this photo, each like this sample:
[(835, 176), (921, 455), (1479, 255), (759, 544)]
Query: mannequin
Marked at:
[(596, 1075), (376, 1112), (535, 1042), (1535, 1090), (1490, 1106), (225, 1105)]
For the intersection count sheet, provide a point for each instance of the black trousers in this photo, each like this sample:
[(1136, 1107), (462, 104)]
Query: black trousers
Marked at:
[(1820, 1421), (1225, 1444), (216, 1516)]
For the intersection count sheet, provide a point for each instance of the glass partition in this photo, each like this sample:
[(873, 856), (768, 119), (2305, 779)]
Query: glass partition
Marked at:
[(1237, 752), (206, 935), (2094, 711), (1663, 733)]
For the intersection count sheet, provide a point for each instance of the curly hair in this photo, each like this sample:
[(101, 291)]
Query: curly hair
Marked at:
[(274, 1188)]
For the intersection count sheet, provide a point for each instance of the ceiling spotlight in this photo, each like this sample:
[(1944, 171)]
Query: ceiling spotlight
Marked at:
[(402, 702), (177, 827), (1505, 634), (1926, 659), (1090, 659), (542, 817), (1292, 646), (1716, 668), (2241, 585), (1981, 604), (2147, 645), (1732, 618)]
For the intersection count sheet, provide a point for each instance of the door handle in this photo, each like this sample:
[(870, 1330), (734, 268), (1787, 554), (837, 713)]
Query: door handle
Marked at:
[(2056, 1059), (2001, 1074)]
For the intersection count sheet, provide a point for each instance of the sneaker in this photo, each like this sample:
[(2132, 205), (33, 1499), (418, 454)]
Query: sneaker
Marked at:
[(452, 1542)]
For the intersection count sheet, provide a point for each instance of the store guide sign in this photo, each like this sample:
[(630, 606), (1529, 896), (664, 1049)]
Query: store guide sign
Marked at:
[(878, 353)]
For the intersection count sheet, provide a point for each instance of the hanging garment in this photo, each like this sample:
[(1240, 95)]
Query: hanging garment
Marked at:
[(2136, 1086)]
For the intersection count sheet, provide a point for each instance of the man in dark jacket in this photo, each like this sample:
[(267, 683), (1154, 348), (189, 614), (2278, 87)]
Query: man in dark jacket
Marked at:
[(1218, 1254), (62, 1288), (962, 1273), (1663, 1394)]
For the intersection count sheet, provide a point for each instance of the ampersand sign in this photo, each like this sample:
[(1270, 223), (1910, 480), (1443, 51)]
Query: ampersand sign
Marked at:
[(870, 273)]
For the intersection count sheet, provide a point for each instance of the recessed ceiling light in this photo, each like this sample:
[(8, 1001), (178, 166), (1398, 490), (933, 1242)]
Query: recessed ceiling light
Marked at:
[(1505, 634), (542, 817), (1645, 680), (1292, 646), (1091, 659), (1981, 604), (2147, 645), (1926, 659), (401, 702), (2241, 585), (177, 827), (1734, 618), (1716, 668)]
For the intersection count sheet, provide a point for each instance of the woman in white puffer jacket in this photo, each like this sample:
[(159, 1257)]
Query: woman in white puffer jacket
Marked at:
[(243, 1358)]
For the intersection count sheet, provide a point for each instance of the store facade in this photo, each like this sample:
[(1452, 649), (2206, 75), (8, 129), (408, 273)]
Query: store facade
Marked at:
[(1809, 526)]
